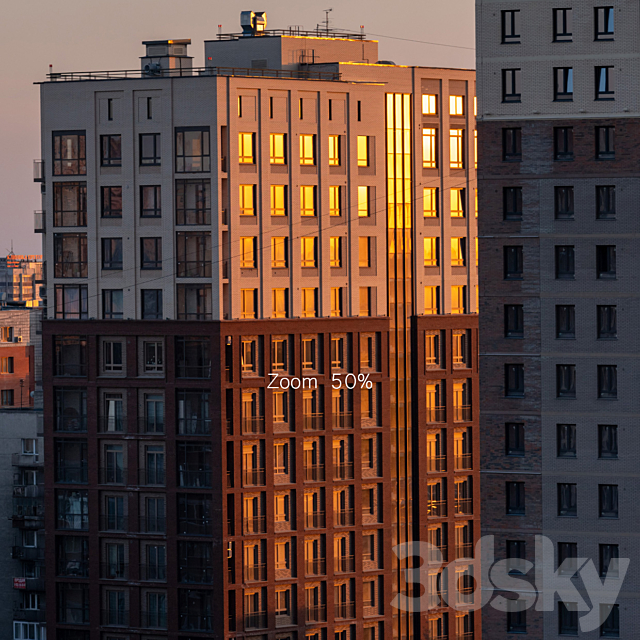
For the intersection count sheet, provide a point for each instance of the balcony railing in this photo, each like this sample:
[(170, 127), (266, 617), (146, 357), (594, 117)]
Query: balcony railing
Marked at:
[(253, 477), (38, 170), (313, 421), (255, 572), (345, 564), (255, 620), (114, 523), (315, 520), (151, 524), (39, 220), (252, 425), (195, 526), (436, 414), (72, 568), (194, 426), (343, 517), (464, 550), (255, 524), (317, 613), (34, 584), (314, 473), (115, 618), (153, 476), (72, 473), (72, 522), (27, 460), (343, 471), (154, 620), (71, 424), (153, 572), (28, 491), (436, 508), (114, 570), (195, 622), (28, 615), (194, 477), (437, 463), (463, 506), (27, 553), (463, 462), (112, 475), (343, 420), (113, 424), (316, 567), (438, 553), (149, 425), (462, 413), (344, 610), (195, 575), (71, 269)]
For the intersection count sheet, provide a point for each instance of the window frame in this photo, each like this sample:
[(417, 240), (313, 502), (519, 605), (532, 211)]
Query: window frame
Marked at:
[(181, 159), (155, 159), (111, 150)]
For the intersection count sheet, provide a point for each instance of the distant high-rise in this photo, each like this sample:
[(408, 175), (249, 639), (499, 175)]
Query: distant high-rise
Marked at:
[(21, 278)]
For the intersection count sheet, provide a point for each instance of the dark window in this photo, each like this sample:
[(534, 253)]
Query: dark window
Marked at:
[(562, 25), (193, 465), (608, 500), (608, 441), (516, 553), (511, 79), (517, 620), (609, 555), (564, 203), (605, 143), (192, 150), (193, 202), (513, 267), (7, 398), (512, 145), (565, 262), (195, 514), (607, 322), (563, 84), (70, 204), (610, 614), (193, 358), (515, 498), (566, 380), (568, 618), (151, 253), (563, 143), (606, 261), (149, 149), (72, 301), (565, 321), (607, 381), (193, 254), (603, 22), (112, 305), (567, 557), (71, 556), (566, 440), (112, 254), (511, 27), (514, 438), (69, 153), (513, 321), (568, 500), (605, 203), (152, 304), (72, 509), (604, 83), (70, 355), (111, 151), (194, 302), (70, 255), (111, 202), (73, 603), (150, 201), (514, 380), (512, 198)]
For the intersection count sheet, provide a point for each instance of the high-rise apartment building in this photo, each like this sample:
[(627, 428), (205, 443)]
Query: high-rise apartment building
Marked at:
[(558, 127), (261, 351), (21, 280)]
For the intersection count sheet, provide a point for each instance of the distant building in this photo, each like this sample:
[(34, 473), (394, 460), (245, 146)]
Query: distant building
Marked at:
[(20, 280)]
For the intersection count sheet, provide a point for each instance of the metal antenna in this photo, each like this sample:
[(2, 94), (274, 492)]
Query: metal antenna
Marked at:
[(326, 19)]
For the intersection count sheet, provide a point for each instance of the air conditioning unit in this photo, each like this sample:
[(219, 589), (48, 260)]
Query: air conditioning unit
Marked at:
[(19, 339)]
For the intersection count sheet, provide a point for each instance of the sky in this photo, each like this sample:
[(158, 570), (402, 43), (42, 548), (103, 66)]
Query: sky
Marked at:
[(87, 35)]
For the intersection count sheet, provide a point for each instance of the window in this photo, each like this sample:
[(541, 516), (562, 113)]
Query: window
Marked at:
[(458, 203), (278, 193), (248, 303), (248, 252), (516, 552), (605, 143), (511, 80), (334, 151), (192, 150), (564, 203), (112, 356), (562, 25), (429, 148), (278, 148), (608, 500), (565, 321), (280, 303), (609, 555), (456, 148), (309, 251), (458, 252), (512, 145), (603, 22), (307, 200), (608, 441), (567, 557), (246, 148), (513, 263), (279, 252), (149, 149), (365, 301), (516, 620), (515, 498), (69, 153), (607, 381), (194, 301), (110, 151), (112, 254), (511, 27), (363, 202), (70, 355), (247, 199), (112, 304), (431, 301), (6, 334), (193, 254), (606, 203), (431, 252), (335, 251), (606, 262), (429, 105), (514, 439), (70, 255), (514, 380), (604, 83), (153, 363), (309, 302), (563, 143), (70, 204), (72, 301), (512, 203), (565, 262), (307, 150), (566, 434), (458, 299), (150, 201), (6, 365), (193, 202), (151, 253), (336, 302), (568, 618), (364, 251), (610, 616), (430, 202), (567, 500), (335, 201), (513, 321), (362, 143), (566, 380), (456, 105), (563, 84), (607, 322), (72, 509), (7, 398)]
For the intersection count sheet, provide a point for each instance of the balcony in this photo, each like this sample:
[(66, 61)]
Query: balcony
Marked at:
[(195, 575), (115, 618), (255, 572), (253, 477), (436, 463), (436, 414), (39, 222), (151, 477), (343, 420), (343, 518), (28, 513), (71, 269), (463, 462), (152, 524), (463, 507), (34, 554), (114, 570), (345, 564), (29, 460), (195, 622), (464, 550), (316, 567), (313, 421), (343, 471), (317, 613), (71, 424), (30, 584), (72, 473), (28, 491), (114, 523), (194, 426), (252, 425), (151, 426), (194, 477), (345, 610), (71, 568), (255, 524), (28, 615), (112, 475), (314, 520), (255, 620), (462, 413), (195, 526), (436, 508), (38, 170), (153, 572), (154, 620), (438, 553), (314, 473), (112, 424)]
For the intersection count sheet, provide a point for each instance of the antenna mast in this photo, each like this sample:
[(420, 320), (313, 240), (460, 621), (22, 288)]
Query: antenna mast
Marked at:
[(326, 20)]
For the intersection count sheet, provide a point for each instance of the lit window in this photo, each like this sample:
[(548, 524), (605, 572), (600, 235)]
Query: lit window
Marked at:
[(363, 202), (429, 105), (429, 149), (308, 252), (277, 148), (279, 302), (431, 252), (457, 203), (364, 253), (278, 252), (476, 251), (456, 105), (248, 252), (335, 201), (309, 302), (307, 200), (363, 151), (431, 300), (457, 252), (456, 148), (476, 202), (365, 301), (278, 200), (247, 200), (334, 151), (335, 251), (458, 299), (6, 365), (336, 302), (475, 106), (475, 148), (430, 202), (307, 150), (248, 300), (245, 148)]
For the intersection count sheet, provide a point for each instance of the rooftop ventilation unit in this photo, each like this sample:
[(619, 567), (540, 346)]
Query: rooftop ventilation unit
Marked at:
[(253, 23)]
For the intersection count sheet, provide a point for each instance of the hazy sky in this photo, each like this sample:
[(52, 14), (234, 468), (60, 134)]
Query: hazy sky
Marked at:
[(87, 35)]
